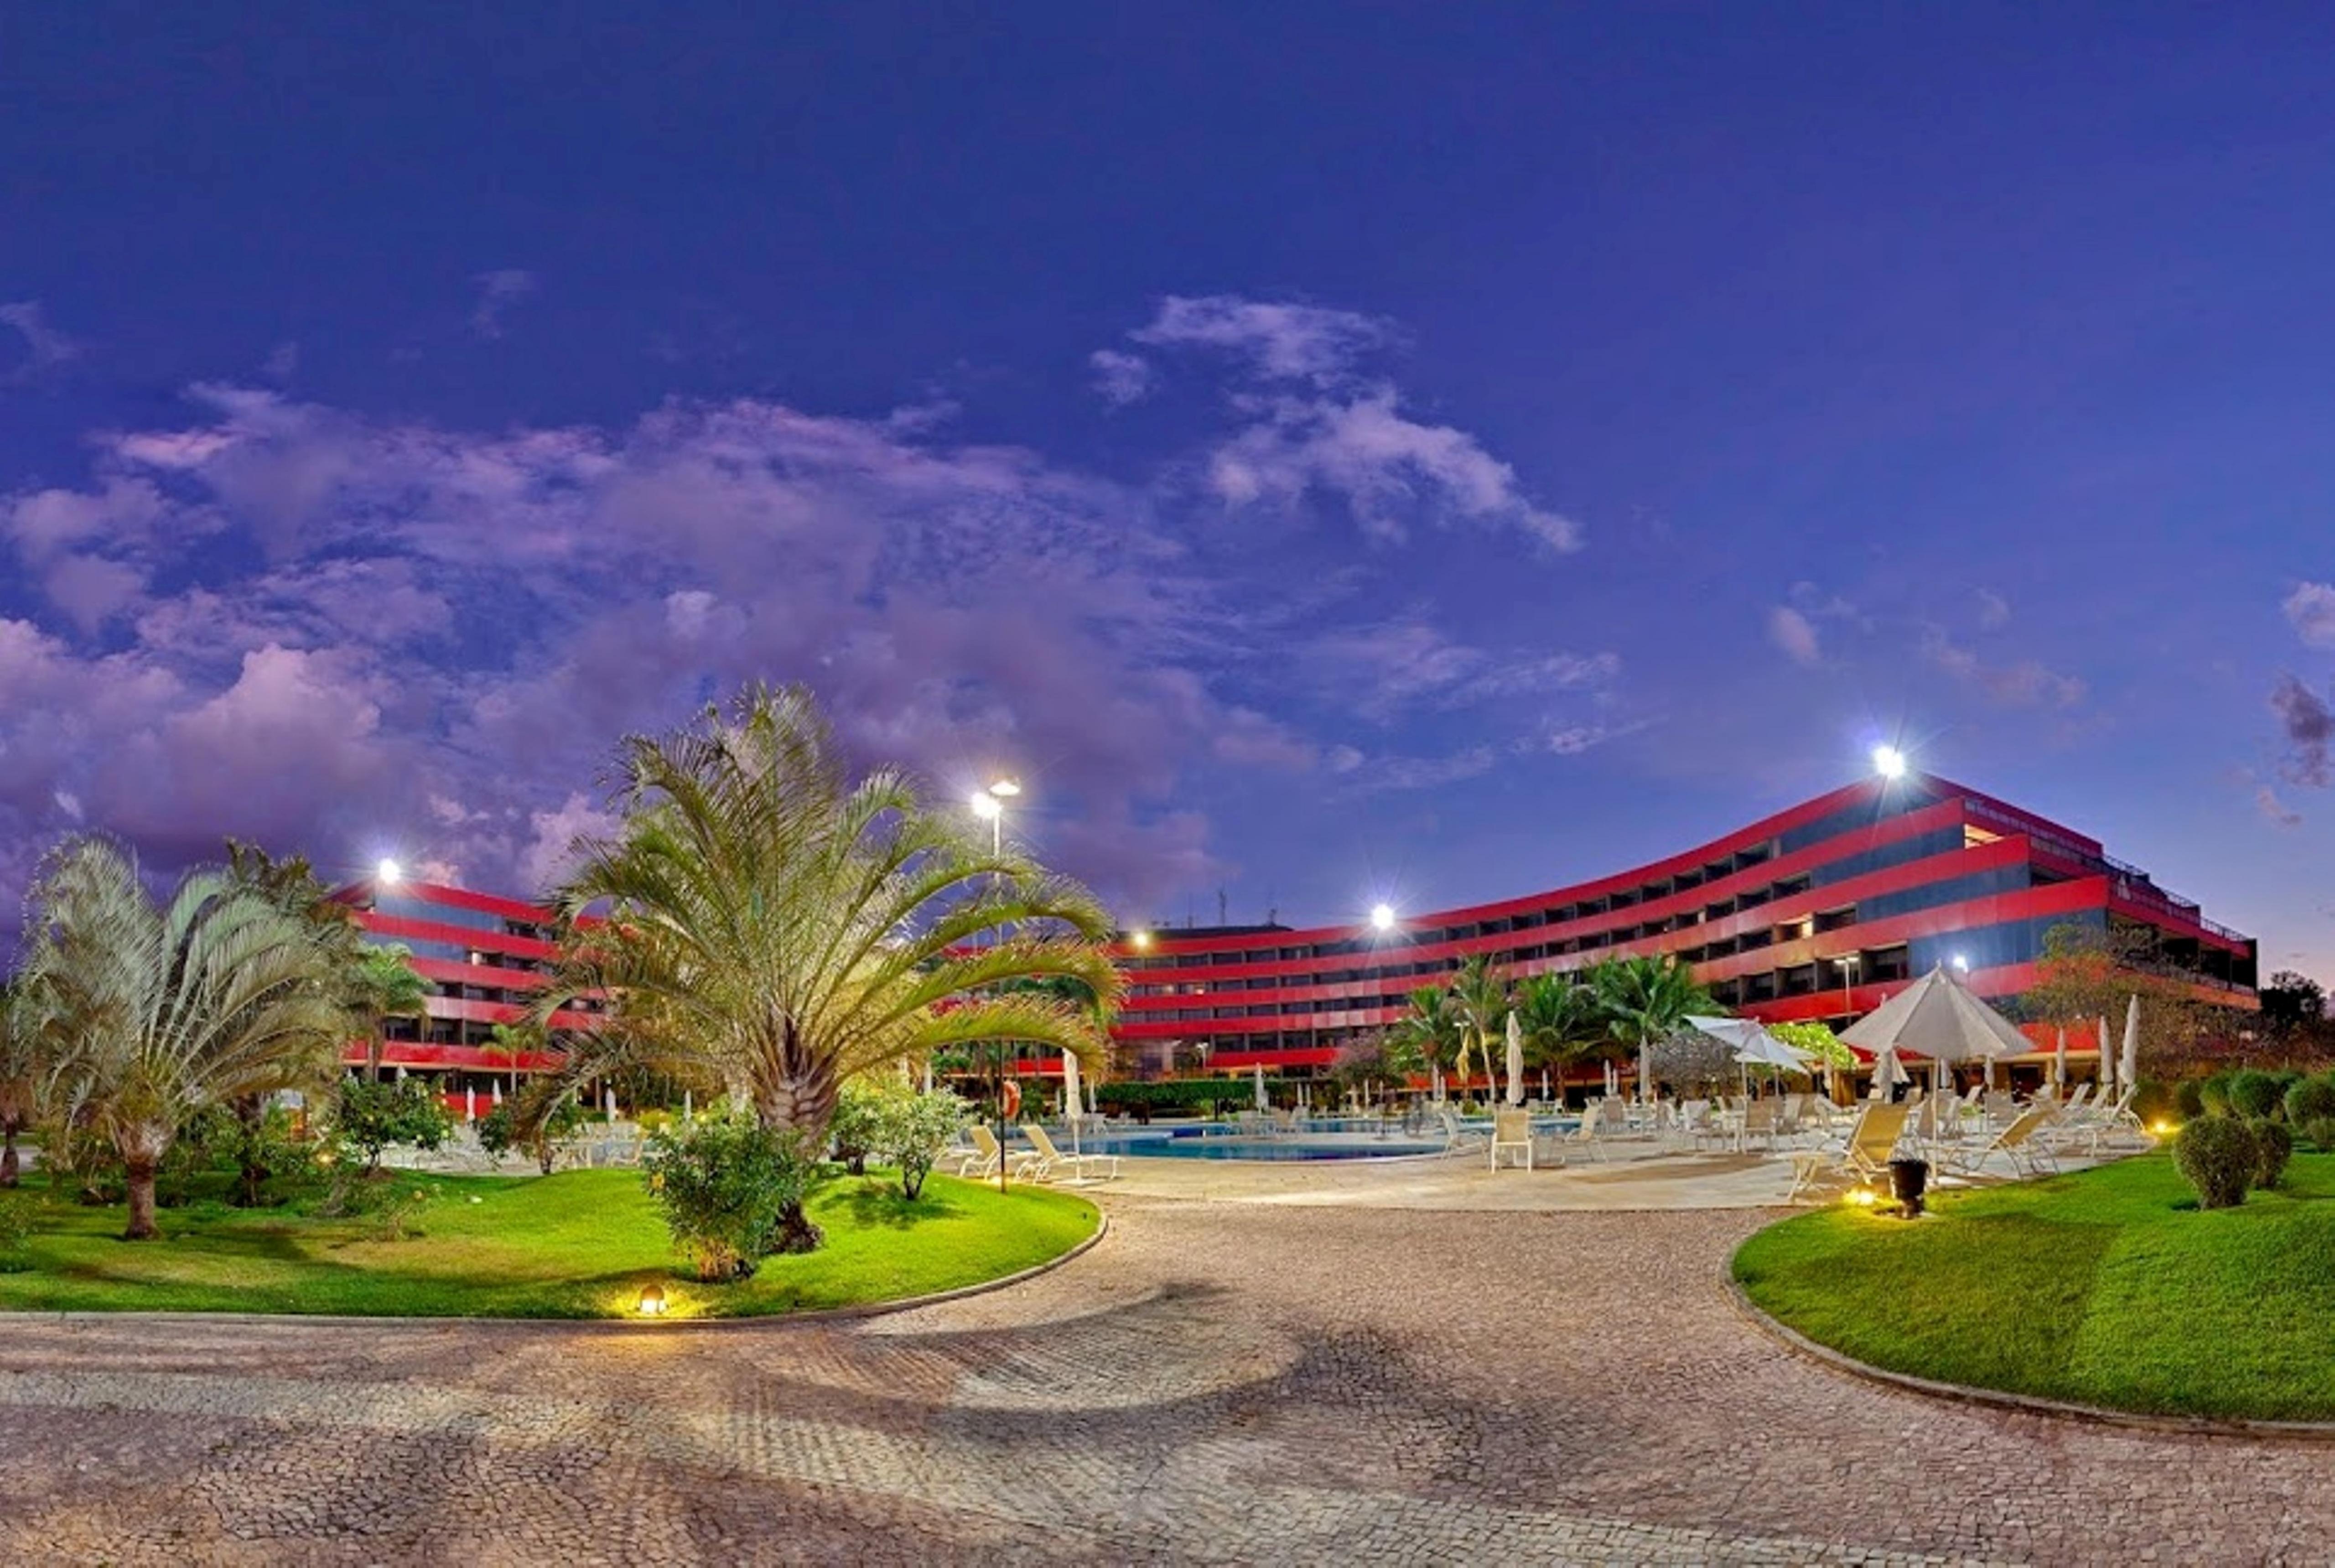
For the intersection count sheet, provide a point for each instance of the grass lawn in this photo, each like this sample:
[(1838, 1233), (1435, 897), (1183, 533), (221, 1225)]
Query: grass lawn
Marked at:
[(579, 1245), (2096, 1287)]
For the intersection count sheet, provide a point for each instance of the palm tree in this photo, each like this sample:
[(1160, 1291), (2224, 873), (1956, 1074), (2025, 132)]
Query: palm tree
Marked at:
[(382, 984), (1431, 1030), (510, 1042), (1562, 1020), (1647, 999), (155, 1014), (1481, 999), (20, 1075), (772, 928)]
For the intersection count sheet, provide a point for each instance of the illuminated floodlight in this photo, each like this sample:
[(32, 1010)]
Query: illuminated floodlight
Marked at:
[(389, 873), (1961, 962), (1889, 762), (1382, 917), (1005, 788), (987, 806), (1139, 940)]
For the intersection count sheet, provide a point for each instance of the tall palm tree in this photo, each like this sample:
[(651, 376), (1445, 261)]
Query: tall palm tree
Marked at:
[(1562, 1020), (154, 1013), (1430, 1030), (773, 927), (20, 1075), (1481, 998), (1647, 999), (510, 1042), (382, 984)]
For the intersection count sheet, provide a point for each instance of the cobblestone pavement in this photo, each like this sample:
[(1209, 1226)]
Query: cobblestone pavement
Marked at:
[(1218, 1383)]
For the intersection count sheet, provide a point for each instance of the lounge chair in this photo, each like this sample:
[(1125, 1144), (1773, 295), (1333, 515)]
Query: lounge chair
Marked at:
[(1759, 1122), (980, 1161), (1052, 1162), (2020, 1143), (1512, 1131), (1864, 1157)]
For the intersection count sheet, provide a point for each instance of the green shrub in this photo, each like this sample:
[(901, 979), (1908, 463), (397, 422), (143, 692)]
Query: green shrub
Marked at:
[(913, 1130), (372, 1116), (2254, 1095), (2309, 1099), (2321, 1131), (2189, 1099), (2152, 1102), (732, 1191), (2273, 1146), (502, 1129), (2217, 1157), (858, 1124), (18, 1210), (2213, 1093)]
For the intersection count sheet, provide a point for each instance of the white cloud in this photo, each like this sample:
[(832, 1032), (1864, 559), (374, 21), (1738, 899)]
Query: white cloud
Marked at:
[(44, 345), (1796, 634), (1993, 610), (1120, 379), (1384, 669), (499, 290), (1281, 342), (2311, 610), (2024, 684)]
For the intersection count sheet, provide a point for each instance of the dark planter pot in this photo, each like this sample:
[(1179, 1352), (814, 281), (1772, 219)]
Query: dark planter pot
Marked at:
[(1908, 1180)]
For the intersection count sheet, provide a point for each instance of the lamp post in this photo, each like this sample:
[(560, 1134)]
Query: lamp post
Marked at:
[(1848, 963), (989, 804)]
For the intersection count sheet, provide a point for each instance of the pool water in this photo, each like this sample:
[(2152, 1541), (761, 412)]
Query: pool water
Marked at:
[(1225, 1143)]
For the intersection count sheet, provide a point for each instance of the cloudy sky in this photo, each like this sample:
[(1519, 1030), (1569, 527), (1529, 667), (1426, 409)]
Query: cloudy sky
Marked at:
[(1326, 454)]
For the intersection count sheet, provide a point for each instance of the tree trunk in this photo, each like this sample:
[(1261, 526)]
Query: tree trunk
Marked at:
[(8, 1154), (252, 1173), (373, 1054), (141, 1201), (796, 1231)]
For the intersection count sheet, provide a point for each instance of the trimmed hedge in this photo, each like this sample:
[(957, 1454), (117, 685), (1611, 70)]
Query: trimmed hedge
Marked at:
[(2189, 1099), (2274, 1143), (1189, 1093), (2254, 1095), (2311, 1099), (2217, 1157)]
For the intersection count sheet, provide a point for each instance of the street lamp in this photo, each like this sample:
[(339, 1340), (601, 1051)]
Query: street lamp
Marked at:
[(989, 805), (1382, 917), (1889, 762), (389, 873), (1961, 963), (1139, 940)]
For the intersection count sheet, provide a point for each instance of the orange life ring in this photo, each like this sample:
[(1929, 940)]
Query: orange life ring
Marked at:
[(1013, 1098)]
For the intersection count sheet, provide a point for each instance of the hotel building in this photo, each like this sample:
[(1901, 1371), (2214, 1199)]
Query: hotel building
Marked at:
[(1820, 912)]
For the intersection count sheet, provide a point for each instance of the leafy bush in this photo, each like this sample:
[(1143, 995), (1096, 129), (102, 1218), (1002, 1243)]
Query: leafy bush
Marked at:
[(500, 1130), (911, 1131), (2189, 1099), (2311, 1099), (17, 1213), (2254, 1095), (2321, 1131), (2273, 1146), (2217, 1157), (2213, 1093), (372, 1116), (857, 1126), (727, 1185)]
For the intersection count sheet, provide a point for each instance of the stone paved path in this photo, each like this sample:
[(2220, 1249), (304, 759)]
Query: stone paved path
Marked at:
[(1215, 1383)]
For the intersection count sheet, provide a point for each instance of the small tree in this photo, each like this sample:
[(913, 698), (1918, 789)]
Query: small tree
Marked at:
[(725, 1183), (503, 1129), (913, 1130), (373, 1114), (382, 984), (858, 1126), (2218, 1156)]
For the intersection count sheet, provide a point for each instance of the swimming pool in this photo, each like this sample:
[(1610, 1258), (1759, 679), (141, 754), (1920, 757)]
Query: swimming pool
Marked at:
[(1228, 1143)]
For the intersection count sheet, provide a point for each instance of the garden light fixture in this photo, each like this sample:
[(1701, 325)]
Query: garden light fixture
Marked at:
[(652, 1303)]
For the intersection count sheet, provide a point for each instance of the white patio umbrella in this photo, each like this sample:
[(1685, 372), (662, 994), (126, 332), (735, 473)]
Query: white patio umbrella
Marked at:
[(1071, 1098), (1261, 1102), (1939, 1018), (1515, 1060), (688, 1106), (469, 1103), (1754, 1046), (496, 1090), (2059, 1065), (1888, 1072), (2128, 1069), (1544, 1083), (2107, 1062), (928, 1074)]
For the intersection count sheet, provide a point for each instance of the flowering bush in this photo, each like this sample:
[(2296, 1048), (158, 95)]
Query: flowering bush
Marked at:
[(732, 1191), (913, 1130)]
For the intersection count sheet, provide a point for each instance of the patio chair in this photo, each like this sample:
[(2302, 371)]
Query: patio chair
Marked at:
[(1512, 1131), (1584, 1136), (2019, 1143), (981, 1161), (1758, 1122), (1052, 1161), (1864, 1156)]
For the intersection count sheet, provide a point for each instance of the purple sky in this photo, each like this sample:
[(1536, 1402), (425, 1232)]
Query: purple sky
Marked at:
[(1327, 457)]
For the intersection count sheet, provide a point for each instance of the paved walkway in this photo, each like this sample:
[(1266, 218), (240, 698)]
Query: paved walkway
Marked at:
[(1216, 1382)]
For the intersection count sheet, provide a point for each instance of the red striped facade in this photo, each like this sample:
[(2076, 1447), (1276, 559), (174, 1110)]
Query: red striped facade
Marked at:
[(1820, 912)]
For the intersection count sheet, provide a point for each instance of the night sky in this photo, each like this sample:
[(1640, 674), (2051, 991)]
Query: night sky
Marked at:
[(1328, 453)]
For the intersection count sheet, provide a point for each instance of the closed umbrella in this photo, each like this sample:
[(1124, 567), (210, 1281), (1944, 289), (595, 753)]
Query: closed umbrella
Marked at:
[(1543, 1084), (1516, 1061), (469, 1103), (928, 1074), (1071, 1098), (2107, 1062), (1261, 1102), (2059, 1065), (688, 1106), (496, 1090), (2128, 1069)]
